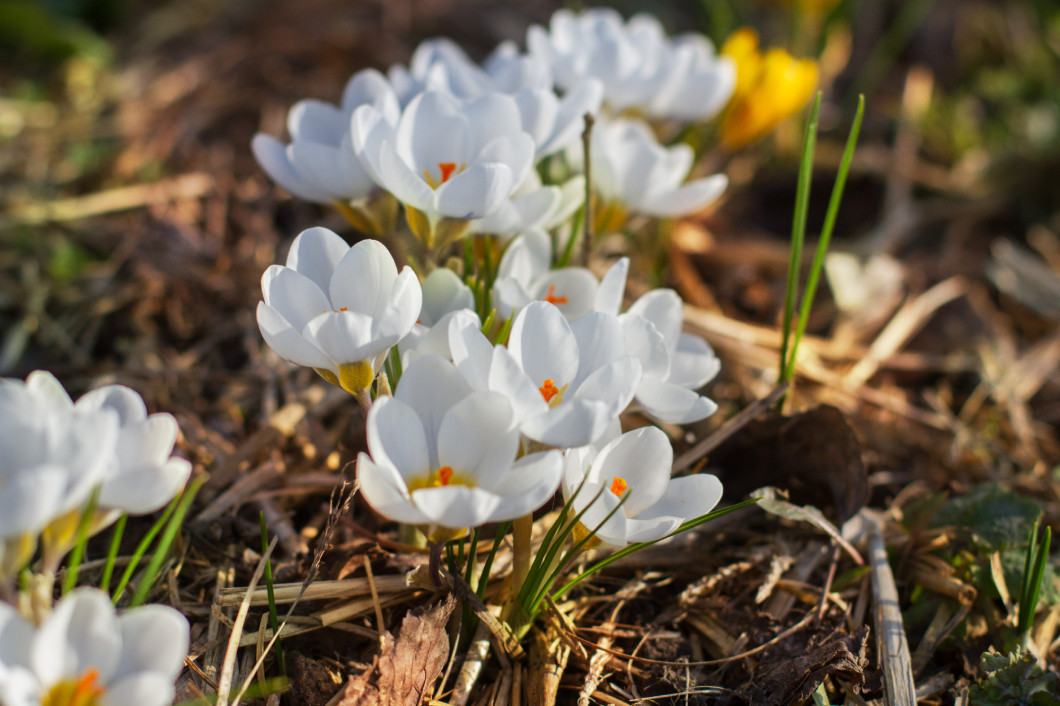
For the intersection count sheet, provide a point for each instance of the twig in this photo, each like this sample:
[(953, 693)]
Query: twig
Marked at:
[(891, 643)]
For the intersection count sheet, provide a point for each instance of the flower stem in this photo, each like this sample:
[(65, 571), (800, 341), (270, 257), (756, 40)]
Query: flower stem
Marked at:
[(522, 527)]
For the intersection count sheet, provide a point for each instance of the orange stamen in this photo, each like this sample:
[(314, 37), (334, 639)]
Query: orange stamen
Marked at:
[(87, 689), (618, 486), (551, 297), (548, 390), (445, 474), (447, 169)]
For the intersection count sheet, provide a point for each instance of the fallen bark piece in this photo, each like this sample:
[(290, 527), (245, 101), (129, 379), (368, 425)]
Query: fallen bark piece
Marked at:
[(793, 679), (405, 669)]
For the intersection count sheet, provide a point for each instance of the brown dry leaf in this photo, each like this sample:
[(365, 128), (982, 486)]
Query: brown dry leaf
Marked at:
[(406, 668), (796, 675)]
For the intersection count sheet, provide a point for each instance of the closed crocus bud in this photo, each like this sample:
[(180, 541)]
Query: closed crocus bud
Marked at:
[(770, 88)]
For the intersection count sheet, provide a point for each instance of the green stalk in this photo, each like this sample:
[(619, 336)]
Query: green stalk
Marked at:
[(484, 577), (147, 581), (826, 236), (274, 618), (798, 231), (1032, 579), (73, 566), (112, 552)]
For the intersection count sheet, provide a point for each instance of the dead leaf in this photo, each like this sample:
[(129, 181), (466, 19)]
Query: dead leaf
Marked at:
[(407, 668), (814, 455)]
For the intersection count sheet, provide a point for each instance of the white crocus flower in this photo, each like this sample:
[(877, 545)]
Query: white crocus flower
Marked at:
[(566, 381), (320, 165), (533, 206), (444, 458), (525, 275), (636, 465), (144, 475), (675, 364), (449, 161), (639, 66), (434, 339), (338, 309), (443, 292), (85, 655), (631, 171), (51, 457)]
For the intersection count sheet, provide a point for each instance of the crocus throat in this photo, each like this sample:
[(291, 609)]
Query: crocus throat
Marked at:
[(446, 170), (83, 691), (551, 297), (441, 478), (618, 486)]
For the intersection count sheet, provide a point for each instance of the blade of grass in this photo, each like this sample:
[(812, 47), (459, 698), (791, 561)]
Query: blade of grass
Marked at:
[(484, 577), (73, 564), (814, 275), (147, 581), (798, 231), (626, 551), (141, 549), (1032, 588), (274, 619), (112, 552)]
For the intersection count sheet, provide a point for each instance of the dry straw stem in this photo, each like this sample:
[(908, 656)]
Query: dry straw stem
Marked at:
[(224, 684), (891, 644)]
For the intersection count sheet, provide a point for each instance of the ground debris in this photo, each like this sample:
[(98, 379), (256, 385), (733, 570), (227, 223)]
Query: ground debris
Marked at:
[(406, 667), (792, 671)]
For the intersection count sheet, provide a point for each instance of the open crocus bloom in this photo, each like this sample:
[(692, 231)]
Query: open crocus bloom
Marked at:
[(444, 458), (566, 382), (51, 457), (770, 88), (338, 309), (633, 172), (636, 464), (319, 164), (675, 364), (86, 655), (449, 161), (639, 66), (443, 292), (533, 206), (525, 275)]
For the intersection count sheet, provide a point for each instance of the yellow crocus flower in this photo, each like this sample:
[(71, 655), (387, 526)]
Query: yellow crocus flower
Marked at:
[(770, 87)]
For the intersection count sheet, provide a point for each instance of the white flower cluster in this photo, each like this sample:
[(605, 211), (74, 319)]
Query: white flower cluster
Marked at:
[(456, 143), (56, 452), (55, 455), (489, 418)]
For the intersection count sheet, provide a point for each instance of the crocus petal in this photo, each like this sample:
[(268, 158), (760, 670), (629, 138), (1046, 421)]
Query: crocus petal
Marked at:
[(644, 342), (477, 437), (396, 438), (31, 499), (601, 340), (662, 307), (642, 458), (346, 336), (443, 292), (543, 344), (693, 362), (272, 156), (639, 529), (456, 506), (363, 279), (612, 287), (531, 483), (613, 384), (574, 423), (514, 151), (288, 342), (401, 307), (154, 639), (431, 386), (397, 177), (315, 253), (507, 378), (384, 489), (318, 165), (689, 198), (126, 402), (432, 130), (293, 296), (45, 386), (139, 490), (571, 289), (672, 403), (78, 635), (311, 120), (687, 497), (475, 192), (144, 689)]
